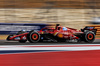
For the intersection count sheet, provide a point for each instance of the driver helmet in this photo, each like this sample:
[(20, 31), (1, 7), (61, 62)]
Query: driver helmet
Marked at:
[(64, 28), (23, 30)]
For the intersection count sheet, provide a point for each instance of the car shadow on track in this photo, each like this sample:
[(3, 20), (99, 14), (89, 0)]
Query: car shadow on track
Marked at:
[(45, 43)]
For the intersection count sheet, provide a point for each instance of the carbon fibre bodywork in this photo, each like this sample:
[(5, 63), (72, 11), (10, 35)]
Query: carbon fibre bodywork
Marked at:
[(58, 33)]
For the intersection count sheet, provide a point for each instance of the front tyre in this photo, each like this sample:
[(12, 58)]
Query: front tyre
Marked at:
[(33, 37), (89, 37), (21, 32)]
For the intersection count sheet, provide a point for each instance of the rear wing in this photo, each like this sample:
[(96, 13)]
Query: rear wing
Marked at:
[(88, 28)]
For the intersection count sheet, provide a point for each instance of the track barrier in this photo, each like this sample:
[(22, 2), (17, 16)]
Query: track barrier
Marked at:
[(13, 28)]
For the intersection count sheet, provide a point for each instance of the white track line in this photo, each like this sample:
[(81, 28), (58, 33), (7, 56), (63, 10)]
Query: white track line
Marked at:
[(47, 45), (82, 47), (52, 48)]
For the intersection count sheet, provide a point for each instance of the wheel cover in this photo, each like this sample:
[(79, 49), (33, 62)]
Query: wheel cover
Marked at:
[(34, 36), (90, 36)]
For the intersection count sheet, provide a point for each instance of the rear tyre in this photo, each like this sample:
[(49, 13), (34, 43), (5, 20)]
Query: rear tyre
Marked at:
[(89, 37), (33, 37)]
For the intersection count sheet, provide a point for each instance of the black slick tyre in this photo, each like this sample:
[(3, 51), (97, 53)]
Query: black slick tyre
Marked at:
[(21, 32), (33, 37), (89, 37)]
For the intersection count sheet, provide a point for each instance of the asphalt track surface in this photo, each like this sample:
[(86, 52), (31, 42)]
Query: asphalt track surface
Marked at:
[(4, 42), (13, 53)]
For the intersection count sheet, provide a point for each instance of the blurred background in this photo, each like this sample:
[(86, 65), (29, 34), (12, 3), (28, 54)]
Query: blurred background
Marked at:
[(17, 14), (72, 13)]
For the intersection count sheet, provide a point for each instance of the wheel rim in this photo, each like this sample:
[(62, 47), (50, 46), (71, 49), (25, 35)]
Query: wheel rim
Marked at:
[(34, 36), (90, 36)]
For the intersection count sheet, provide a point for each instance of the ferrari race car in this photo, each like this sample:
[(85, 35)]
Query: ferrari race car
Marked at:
[(57, 34)]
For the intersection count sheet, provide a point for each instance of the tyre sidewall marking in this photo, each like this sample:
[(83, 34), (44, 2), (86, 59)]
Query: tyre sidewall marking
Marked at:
[(90, 38), (31, 37), (87, 34)]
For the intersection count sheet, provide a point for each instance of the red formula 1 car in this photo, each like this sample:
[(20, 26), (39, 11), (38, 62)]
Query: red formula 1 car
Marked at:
[(58, 34)]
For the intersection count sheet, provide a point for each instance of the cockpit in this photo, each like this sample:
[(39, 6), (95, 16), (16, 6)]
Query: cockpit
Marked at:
[(61, 28), (64, 29)]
